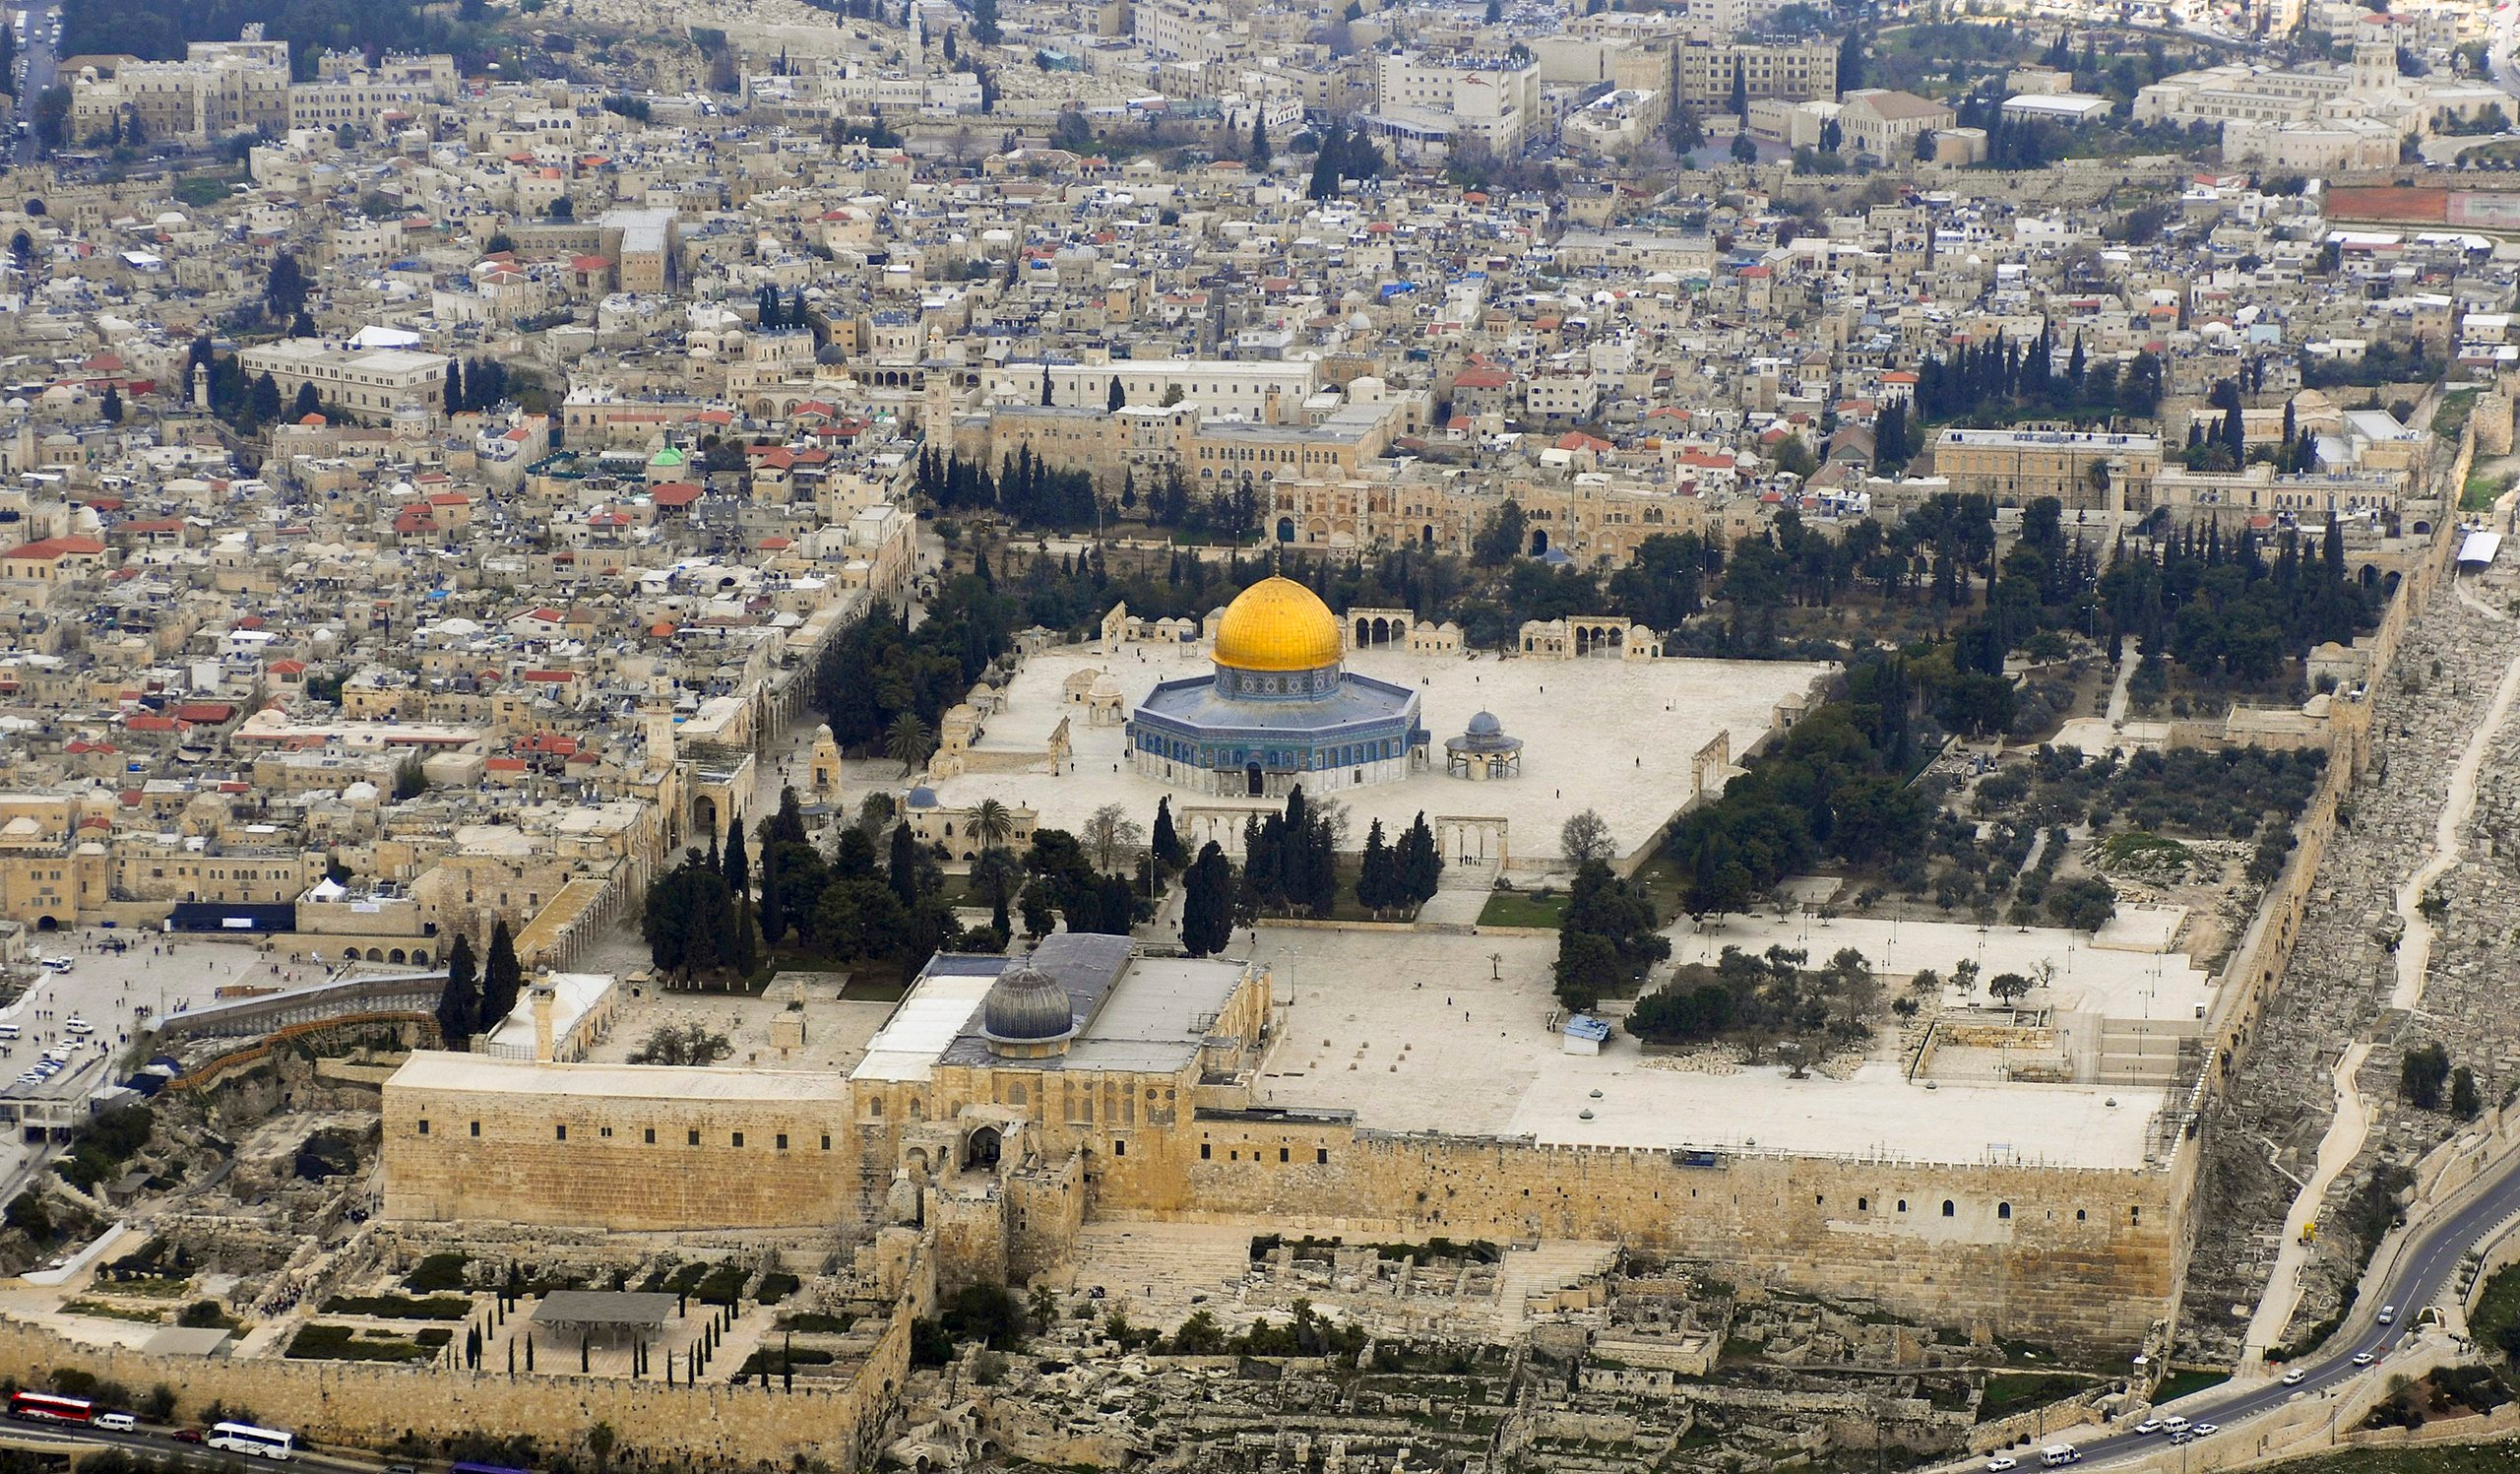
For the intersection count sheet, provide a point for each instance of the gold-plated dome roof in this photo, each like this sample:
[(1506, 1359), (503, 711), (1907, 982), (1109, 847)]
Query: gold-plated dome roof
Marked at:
[(1278, 624)]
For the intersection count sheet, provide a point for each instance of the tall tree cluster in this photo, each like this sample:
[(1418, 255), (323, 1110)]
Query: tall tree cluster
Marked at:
[(878, 670), (1027, 490), (1609, 937), (1290, 861), (474, 384), (2233, 608), (2000, 378), (1399, 876), (1836, 785)]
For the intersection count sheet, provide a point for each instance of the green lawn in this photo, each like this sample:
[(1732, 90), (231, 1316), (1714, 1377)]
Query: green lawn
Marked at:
[(1515, 908), (2012, 1392), (2481, 491), (2191, 1379)]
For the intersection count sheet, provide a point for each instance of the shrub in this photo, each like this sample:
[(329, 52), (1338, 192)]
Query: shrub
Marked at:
[(439, 1272), (398, 1306)]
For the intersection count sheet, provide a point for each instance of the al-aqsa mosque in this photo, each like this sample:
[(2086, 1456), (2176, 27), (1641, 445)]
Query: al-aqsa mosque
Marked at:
[(1281, 710)]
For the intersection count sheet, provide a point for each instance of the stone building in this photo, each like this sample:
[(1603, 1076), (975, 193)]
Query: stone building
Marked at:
[(2094, 471)]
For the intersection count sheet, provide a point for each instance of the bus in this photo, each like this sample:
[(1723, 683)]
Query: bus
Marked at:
[(245, 1437), (43, 1407)]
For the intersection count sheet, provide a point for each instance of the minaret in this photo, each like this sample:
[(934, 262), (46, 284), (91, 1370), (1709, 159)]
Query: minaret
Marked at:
[(200, 387), (655, 726)]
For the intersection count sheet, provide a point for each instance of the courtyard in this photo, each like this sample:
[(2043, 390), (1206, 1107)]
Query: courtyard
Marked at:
[(1621, 738)]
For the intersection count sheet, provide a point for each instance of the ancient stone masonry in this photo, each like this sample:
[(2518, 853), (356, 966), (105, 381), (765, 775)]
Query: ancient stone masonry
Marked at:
[(2262, 1134)]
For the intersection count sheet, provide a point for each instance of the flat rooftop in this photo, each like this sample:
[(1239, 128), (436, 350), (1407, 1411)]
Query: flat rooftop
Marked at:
[(1416, 1032), (1615, 737), (436, 1069)]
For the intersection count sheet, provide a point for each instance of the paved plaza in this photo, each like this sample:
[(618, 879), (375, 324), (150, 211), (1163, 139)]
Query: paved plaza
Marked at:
[(1424, 1033), (1616, 737)]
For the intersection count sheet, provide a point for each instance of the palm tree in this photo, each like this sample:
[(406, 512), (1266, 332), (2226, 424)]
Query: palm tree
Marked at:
[(991, 823), (909, 741)]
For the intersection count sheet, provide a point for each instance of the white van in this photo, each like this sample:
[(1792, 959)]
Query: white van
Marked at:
[(2057, 1456), (115, 1423), (8, 1031), (2175, 1423)]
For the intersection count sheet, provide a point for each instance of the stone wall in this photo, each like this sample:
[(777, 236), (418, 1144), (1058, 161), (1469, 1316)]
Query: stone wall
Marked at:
[(353, 1402), (620, 1163), (2026, 1250)]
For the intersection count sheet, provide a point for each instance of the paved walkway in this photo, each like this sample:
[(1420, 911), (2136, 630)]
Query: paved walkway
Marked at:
[(2343, 1142), (2415, 949)]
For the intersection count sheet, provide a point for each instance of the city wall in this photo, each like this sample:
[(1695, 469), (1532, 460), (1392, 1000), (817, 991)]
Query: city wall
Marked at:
[(356, 1402), (2012, 1250), (620, 1163)]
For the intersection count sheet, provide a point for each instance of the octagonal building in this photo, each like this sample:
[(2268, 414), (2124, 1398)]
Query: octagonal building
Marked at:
[(1281, 709)]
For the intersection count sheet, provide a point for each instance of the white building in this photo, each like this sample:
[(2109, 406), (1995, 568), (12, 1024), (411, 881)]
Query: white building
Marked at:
[(1495, 101), (365, 381)]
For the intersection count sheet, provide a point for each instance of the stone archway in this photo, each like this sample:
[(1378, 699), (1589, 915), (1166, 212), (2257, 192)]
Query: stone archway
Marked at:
[(1539, 542), (983, 1147), (47, 924), (1286, 528)]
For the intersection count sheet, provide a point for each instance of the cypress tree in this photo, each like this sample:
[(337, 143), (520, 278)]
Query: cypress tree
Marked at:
[(1207, 903), (773, 914), (501, 978), (1162, 839), (459, 1008), (902, 864), (1373, 874)]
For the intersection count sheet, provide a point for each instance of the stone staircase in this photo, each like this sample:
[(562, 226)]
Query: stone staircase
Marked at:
[(1547, 1265), (1159, 1272), (2139, 1051)]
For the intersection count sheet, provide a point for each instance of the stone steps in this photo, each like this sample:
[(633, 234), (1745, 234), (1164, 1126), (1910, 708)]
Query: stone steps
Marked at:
[(1550, 1265), (1157, 1273)]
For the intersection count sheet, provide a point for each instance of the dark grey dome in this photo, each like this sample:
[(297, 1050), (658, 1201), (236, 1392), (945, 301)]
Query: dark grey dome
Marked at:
[(1485, 725), (830, 353), (1026, 1005), (922, 796)]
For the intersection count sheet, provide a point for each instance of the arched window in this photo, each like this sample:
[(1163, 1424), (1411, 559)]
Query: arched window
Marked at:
[(1947, 1208), (2003, 1210)]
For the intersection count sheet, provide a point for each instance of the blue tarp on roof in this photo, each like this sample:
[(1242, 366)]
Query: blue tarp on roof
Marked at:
[(1585, 1026)]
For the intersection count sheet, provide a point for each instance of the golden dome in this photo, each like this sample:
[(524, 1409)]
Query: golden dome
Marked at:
[(1278, 624)]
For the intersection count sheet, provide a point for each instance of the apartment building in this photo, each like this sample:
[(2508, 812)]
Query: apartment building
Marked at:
[(1795, 71), (1495, 101)]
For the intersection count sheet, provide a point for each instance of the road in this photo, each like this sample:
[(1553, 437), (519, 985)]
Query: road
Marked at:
[(2497, 52), (43, 62), (42, 66), (166, 1451), (2423, 1269)]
